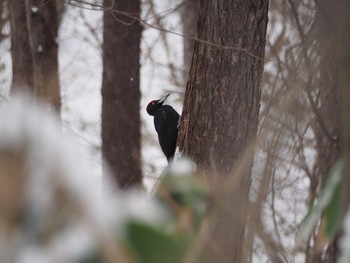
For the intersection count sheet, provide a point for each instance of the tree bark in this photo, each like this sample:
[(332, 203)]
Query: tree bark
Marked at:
[(121, 92), (343, 62), (22, 62), (329, 140), (220, 115), (43, 29), (189, 15)]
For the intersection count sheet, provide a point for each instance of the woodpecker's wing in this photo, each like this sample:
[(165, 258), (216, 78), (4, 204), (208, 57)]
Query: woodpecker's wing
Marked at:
[(166, 121)]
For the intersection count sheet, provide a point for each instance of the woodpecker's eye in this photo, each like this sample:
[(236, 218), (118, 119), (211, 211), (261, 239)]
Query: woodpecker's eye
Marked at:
[(152, 103)]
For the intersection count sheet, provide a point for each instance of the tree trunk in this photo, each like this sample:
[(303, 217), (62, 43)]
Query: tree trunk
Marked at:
[(22, 63), (343, 59), (189, 16), (328, 136), (121, 92), (343, 63), (43, 29), (220, 114)]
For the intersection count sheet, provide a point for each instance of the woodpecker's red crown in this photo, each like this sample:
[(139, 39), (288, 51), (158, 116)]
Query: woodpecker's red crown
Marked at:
[(154, 105)]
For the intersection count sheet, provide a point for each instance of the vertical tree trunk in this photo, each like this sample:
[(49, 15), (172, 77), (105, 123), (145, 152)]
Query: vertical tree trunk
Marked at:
[(220, 114), (343, 62), (189, 15), (43, 29), (121, 92), (22, 63), (343, 59), (328, 137), (329, 96)]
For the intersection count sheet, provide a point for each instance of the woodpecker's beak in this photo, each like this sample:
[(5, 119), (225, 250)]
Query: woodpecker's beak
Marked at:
[(164, 98)]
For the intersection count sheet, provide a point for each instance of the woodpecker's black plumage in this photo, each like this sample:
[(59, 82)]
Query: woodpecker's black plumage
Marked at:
[(166, 121)]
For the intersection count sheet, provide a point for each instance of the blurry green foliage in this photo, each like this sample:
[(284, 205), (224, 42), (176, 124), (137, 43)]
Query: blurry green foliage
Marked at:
[(151, 244), (327, 206), (183, 195)]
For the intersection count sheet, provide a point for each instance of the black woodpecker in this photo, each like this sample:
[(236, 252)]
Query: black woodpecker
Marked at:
[(166, 121)]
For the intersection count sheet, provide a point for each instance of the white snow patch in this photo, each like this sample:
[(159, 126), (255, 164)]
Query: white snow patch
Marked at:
[(182, 167), (178, 153), (33, 254), (34, 9), (137, 206)]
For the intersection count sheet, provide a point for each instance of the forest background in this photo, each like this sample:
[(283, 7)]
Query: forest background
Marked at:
[(301, 131)]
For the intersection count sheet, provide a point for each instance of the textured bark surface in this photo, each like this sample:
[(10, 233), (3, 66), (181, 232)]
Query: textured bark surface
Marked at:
[(43, 29), (328, 136), (343, 59), (121, 93), (220, 115), (189, 17), (22, 63), (328, 142), (223, 93)]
